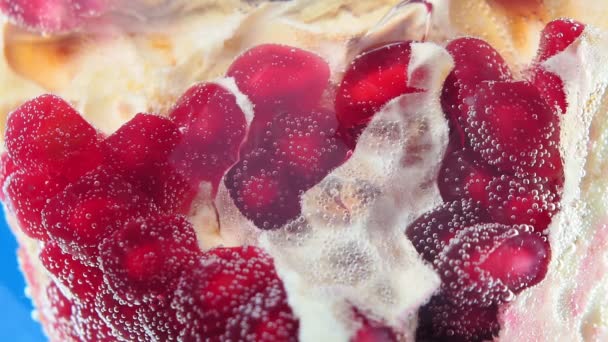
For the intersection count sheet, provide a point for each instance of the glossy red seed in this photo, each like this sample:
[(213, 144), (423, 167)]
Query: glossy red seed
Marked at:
[(373, 78), (475, 61), (82, 281), (434, 230), (259, 187), (91, 208), (46, 134), (307, 145), (143, 141), (215, 300), (141, 150), (522, 201), (120, 316), (213, 127), (7, 167), (514, 129), (28, 194), (159, 319), (487, 264), (52, 16), (277, 77), (89, 325), (462, 176), (140, 260), (557, 36), (441, 320)]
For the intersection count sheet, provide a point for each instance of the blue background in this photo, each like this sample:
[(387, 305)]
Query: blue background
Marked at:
[(16, 323)]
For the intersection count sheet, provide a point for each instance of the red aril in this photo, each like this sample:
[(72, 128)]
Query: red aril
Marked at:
[(213, 127), (514, 129), (120, 316), (522, 201), (91, 208), (557, 36), (277, 77), (434, 230), (140, 151), (475, 61), (143, 141), (89, 325), (216, 299), (373, 78), (46, 134), (307, 145), (487, 264), (259, 187), (27, 195), (462, 176), (140, 260), (159, 319), (81, 280), (441, 320)]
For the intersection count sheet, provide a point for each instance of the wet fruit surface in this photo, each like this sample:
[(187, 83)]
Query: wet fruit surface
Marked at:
[(114, 214)]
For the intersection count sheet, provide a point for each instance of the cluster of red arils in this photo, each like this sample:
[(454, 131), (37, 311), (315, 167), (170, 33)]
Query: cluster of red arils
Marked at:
[(500, 181)]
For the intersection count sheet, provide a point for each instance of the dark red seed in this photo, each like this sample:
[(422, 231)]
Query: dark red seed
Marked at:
[(47, 135), (522, 201), (142, 259), (259, 187), (434, 230), (489, 263), (515, 130), (91, 208), (475, 61), (441, 320), (307, 145), (373, 78), (462, 176), (213, 126), (216, 298), (143, 141), (278, 77)]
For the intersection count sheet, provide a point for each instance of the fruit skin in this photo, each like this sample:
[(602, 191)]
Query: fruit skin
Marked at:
[(279, 77), (432, 232), (373, 78), (216, 297), (48, 135)]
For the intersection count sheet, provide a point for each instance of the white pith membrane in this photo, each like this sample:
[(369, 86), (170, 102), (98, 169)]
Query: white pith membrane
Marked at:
[(329, 266)]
